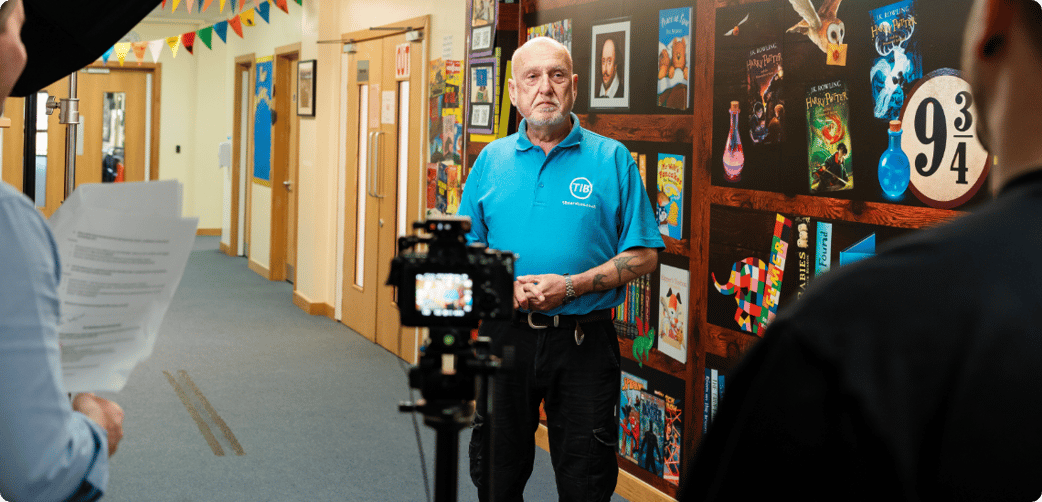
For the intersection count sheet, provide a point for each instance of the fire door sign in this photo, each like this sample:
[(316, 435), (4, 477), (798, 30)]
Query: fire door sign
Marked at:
[(401, 61)]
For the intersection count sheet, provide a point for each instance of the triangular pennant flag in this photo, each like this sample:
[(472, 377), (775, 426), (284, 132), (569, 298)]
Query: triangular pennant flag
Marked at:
[(156, 47), (282, 5), (164, 4), (122, 49), (221, 29), (199, 6), (206, 35), (236, 25), (174, 8), (247, 18), (139, 51), (222, 6), (105, 57), (174, 43), (188, 40), (207, 5), (264, 9), (300, 2), (188, 5), (234, 9)]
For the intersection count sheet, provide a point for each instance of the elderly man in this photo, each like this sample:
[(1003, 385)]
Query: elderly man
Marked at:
[(48, 451), (913, 375), (571, 204)]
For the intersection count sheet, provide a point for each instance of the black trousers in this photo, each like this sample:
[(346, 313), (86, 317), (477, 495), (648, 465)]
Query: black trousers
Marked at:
[(580, 386)]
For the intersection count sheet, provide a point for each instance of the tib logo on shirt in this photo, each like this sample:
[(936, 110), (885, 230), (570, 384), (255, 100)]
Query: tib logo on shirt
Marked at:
[(581, 188)]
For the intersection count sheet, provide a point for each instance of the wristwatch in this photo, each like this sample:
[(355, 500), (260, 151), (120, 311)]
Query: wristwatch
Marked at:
[(569, 290)]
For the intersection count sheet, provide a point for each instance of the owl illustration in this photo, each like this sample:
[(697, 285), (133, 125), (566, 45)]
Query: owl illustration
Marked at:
[(822, 26)]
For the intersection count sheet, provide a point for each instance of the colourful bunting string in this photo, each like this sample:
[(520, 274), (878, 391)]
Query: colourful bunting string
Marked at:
[(174, 43), (248, 18), (188, 40), (176, 3), (139, 51), (221, 29), (282, 5), (105, 57), (264, 9), (122, 49), (206, 35), (236, 25), (155, 46)]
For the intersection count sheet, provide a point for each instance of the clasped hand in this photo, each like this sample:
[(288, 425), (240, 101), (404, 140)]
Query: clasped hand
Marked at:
[(539, 292)]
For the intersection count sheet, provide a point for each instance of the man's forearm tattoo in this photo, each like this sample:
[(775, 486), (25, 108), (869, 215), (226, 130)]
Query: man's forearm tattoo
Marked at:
[(623, 263), (600, 282)]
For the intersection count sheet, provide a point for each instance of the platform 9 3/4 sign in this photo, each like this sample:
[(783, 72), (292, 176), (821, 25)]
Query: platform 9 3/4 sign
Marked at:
[(949, 164)]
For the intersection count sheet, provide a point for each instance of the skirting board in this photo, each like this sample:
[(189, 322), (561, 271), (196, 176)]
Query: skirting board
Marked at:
[(207, 231), (260, 269), (312, 308), (629, 487), (226, 249)]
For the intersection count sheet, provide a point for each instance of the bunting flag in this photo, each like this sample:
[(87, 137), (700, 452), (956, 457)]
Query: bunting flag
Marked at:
[(188, 40), (174, 43), (300, 2), (207, 5), (164, 4), (221, 29), (264, 10), (236, 25), (122, 49), (105, 57), (188, 5), (139, 51), (174, 8), (234, 9), (248, 18), (222, 6), (282, 5), (206, 35), (155, 46)]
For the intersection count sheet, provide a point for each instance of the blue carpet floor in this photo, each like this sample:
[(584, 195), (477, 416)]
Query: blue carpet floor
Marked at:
[(301, 407)]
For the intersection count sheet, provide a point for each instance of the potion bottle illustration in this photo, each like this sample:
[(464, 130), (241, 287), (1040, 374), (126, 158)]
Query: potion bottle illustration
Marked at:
[(894, 168), (734, 157)]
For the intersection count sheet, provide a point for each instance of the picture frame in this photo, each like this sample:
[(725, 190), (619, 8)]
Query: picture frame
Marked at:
[(482, 92), (610, 91), (306, 87), (483, 15)]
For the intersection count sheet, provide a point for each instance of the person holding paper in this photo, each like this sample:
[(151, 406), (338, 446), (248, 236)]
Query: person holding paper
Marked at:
[(50, 449)]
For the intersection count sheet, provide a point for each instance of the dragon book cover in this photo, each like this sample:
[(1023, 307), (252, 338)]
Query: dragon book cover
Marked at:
[(829, 152)]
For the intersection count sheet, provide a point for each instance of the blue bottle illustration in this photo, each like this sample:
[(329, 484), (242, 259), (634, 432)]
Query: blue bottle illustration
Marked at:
[(894, 168)]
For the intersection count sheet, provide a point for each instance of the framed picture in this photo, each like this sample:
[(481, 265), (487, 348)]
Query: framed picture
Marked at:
[(306, 88), (483, 17), (483, 94), (610, 65)]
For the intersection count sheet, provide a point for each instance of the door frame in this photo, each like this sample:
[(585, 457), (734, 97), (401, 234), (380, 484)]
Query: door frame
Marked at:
[(242, 63), (286, 124)]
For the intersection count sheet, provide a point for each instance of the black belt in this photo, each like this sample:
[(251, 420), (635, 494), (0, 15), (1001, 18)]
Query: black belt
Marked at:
[(535, 320)]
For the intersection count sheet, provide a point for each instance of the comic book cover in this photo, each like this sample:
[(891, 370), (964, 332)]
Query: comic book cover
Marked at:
[(630, 407), (674, 53), (674, 433), (899, 62), (673, 298), (766, 102), (432, 188), (829, 151), (437, 77), (652, 433), (434, 129), (557, 30), (670, 201)]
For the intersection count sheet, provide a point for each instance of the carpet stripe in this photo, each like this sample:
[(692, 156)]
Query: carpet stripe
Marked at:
[(227, 431), (203, 428)]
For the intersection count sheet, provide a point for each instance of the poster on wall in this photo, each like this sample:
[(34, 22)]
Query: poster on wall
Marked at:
[(674, 52), (651, 408), (610, 65), (761, 261), (876, 53), (262, 125)]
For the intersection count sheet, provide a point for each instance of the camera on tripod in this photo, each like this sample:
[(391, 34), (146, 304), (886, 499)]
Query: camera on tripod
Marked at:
[(450, 289)]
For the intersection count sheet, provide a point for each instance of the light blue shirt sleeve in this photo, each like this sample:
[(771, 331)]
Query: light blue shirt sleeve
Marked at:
[(47, 450)]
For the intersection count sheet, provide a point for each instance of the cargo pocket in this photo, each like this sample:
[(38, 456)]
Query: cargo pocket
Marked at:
[(604, 468)]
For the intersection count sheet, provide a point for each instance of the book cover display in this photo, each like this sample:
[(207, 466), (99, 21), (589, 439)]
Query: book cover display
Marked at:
[(766, 102), (673, 300), (651, 421), (674, 52), (899, 63), (669, 207), (829, 150)]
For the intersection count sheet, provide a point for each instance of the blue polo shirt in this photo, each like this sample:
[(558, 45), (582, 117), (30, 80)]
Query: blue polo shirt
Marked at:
[(562, 213)]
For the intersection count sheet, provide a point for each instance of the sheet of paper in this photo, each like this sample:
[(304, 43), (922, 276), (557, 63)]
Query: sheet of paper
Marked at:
[(123, 249)]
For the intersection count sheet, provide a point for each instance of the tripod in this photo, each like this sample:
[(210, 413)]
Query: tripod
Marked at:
[(448, 378)]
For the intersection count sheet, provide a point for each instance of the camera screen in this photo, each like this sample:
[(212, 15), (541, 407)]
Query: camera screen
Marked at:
[(444, 295)]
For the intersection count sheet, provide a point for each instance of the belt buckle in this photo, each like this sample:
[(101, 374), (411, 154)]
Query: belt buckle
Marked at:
[(533, 326)]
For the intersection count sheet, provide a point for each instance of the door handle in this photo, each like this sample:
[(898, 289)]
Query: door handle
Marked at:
[(376, 165), (288, 185), (369, 165)]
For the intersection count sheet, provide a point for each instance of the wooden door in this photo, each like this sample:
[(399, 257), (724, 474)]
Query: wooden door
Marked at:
[(119, 132), (384, 166)]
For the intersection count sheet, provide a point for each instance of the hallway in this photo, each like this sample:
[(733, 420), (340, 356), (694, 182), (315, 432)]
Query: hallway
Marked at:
[(312, 405)]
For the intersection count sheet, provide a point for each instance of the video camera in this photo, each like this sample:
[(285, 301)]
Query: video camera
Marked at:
[(453, 284)]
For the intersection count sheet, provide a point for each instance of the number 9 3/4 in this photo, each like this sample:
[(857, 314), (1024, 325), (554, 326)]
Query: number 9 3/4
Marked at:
[(949, 163)]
